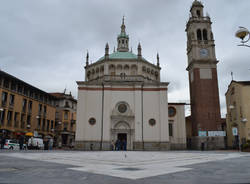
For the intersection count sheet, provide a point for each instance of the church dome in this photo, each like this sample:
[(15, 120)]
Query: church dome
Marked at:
[(121, 55)]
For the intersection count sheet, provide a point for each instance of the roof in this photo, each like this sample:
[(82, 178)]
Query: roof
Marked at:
[(63, 96), (11, 77), (122, 55), (123, 35), (244, 83)]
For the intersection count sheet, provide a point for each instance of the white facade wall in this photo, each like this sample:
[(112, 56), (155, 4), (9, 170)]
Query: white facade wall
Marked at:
[(154, 106)]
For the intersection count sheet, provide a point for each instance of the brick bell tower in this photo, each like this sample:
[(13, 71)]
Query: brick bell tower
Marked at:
[(202, 70)]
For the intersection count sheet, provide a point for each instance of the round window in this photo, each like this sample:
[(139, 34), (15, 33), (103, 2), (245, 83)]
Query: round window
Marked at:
[(171, 111), (152, 122), (92, 121), (122, 108)]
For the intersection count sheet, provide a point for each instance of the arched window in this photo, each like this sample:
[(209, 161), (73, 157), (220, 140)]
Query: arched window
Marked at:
[(122, 41), (198, 12), (204, 34), (199, 37)]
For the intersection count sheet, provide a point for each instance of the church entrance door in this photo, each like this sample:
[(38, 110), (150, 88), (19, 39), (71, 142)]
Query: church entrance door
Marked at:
[(122, 137)]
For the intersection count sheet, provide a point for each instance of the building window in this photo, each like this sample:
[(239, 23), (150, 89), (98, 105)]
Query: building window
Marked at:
[(66, 115), (28, 121), (12, 100), (152, 122), (2, 117), (52, 124), (31, 94), (48, 125), (122, 108), (198, 12), (92, 121), (25, 91), (65, 126), (44, 110), (41, 97), (30, 107), (40, 107), (20, 88), (199, 37), (16, 123), (6, 83), (43, 126), (9, 118), (13, 86), (4, 98), (170, 129), (38, 123), (22, 120), (24, 105), (204, 34), (171, 111), (66, 104)]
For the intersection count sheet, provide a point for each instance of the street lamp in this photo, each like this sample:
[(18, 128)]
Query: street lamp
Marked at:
[(244, 34)]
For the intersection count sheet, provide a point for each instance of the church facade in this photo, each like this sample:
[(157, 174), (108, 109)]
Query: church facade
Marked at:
[(123, 98)]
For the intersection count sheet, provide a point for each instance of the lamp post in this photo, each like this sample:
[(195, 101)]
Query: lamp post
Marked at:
[(244, 34)]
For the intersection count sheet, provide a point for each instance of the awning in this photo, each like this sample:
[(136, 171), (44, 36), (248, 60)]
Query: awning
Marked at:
[(29, 134)]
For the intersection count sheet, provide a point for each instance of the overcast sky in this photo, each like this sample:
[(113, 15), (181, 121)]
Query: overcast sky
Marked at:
[(44, 42)]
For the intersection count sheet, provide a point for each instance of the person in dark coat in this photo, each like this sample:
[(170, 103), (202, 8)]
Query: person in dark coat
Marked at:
[(21, 141), (3, 142)]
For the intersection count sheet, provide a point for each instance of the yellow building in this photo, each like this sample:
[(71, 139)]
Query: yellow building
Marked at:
[(25, 108), (238, 113), (65, 119)]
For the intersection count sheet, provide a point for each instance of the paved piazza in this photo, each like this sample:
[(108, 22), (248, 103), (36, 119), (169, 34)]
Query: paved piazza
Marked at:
[(117, 167)]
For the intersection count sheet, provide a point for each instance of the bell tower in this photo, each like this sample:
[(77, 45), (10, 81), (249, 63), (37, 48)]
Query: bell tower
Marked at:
[(202, 71), (123, 39)]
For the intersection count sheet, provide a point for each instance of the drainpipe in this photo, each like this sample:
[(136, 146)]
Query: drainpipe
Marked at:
[(102, 115), (142, 116)]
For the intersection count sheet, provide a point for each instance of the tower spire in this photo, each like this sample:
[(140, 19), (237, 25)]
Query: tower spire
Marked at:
[(87, 58), (107, 51), (158, 59), (139, 51), (123, 39)]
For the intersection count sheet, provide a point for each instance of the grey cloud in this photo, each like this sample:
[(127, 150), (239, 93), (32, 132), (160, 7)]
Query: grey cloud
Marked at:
[(45, 42)]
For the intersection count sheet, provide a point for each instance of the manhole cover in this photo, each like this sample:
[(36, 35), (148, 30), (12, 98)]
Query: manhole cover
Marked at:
[(129, 169)]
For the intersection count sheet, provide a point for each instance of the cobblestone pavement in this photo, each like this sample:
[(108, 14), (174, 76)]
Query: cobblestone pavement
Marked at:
[(124, 167)]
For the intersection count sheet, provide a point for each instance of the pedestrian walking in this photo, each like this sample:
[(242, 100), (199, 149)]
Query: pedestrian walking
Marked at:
[(3, 142), (21, 141)]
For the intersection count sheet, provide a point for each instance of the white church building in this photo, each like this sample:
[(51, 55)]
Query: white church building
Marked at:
[(123, 98)]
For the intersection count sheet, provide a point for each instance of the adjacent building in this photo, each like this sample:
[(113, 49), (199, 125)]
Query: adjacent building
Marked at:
[(25, 108), (123, 98), (238, 114), (65, 119), (28, 111)]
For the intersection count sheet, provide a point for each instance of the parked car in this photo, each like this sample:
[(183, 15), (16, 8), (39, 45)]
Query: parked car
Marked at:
[(11, 144), (35, 143)]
